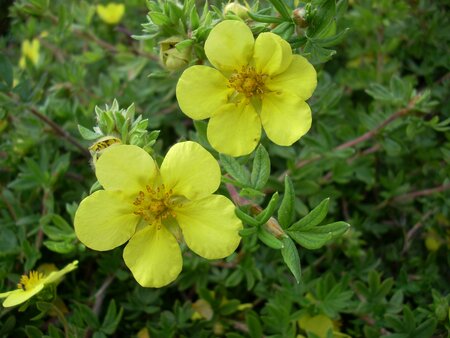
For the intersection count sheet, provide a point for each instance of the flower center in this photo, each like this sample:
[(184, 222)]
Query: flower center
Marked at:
[(154, 204), (247, 82), (28, 282)]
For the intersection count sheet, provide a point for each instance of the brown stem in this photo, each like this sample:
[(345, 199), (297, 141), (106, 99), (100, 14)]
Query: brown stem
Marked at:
[(60, 131), (100, 294), (413, 194), (40, 233), (367, 136), (419, 193), (414, 230)]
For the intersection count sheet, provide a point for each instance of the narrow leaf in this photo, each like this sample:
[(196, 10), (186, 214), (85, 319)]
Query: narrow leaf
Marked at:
[(264, 216), (310, 241), (6, 71), (313, 218), (270, 240), (245, 217), (291, 258), (235, 169), (261, 168), (286, 213)]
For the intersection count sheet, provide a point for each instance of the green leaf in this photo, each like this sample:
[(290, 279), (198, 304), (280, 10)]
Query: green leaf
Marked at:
[(248, 231), (265, 18), (314, 218), (310, 241), (159, 18), (235, 169), (321, 17), (254, 325), (282, 8), (316, 237), (286, 213), (268, 239), (33, 332), (261, 168), (235, 278), (264, 216), (112, 318), (88, 134), (317, 54), (330, 41), (246, 218), (291, 258), (6, 72), (60, 247)]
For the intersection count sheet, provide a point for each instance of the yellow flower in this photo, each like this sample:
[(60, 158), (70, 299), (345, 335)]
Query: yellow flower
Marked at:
[(112, 13), (33, 283), (30, 51), (152, 208), (256, 82)]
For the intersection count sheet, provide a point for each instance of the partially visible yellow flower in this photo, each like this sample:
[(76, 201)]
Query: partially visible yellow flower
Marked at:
[(112, 13), (143, 333), (202, 309), (30, 51), (319, 325), (432, 241), (256, 82), (33, 283), (153, 208)]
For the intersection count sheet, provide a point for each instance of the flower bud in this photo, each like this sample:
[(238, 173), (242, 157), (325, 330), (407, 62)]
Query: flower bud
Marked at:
[(299, 16), (172, 58), (237, 9)]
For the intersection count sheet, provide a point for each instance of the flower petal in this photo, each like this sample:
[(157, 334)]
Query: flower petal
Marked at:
[(20, 296), (235, 129), (210, 226), (201, 90), (285, 117), (300, 78), (153, 256), (105, 220), (229, 45), (125, 167), (272, 54), (54, 276), (190, 170)]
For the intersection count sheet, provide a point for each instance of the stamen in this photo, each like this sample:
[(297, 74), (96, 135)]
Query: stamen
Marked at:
[(28, 282), (248, 82), (155, 205)]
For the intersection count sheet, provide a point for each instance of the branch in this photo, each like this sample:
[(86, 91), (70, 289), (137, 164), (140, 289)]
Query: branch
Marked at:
[(60, 131), (367, 136), (414, 229), (90, 36), (100, 294), (419, 193), (413, 195)]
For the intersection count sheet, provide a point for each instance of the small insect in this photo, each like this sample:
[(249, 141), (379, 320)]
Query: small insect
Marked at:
[(101, 145)]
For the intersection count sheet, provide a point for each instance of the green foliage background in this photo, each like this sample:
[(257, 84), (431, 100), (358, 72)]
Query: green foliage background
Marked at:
[(379, 148)]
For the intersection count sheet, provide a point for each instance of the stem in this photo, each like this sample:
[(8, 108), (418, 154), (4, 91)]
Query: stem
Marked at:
[(60, 131), (414, 229), (62, 319), (272, 224), (100, 294), (367, 136), (425, 192)]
